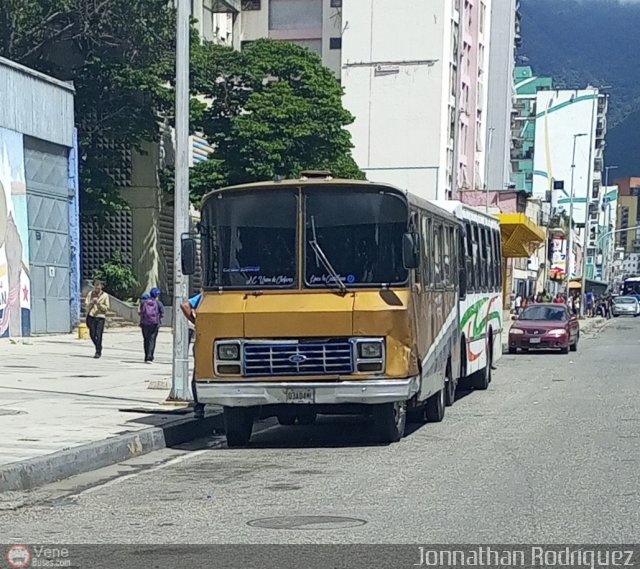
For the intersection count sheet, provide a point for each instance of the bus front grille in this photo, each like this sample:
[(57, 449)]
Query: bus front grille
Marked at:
[(292, 358)]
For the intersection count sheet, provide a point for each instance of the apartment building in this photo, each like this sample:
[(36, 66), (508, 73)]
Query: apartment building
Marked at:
[(505, 39), (628, 215), (314, 24), (401, 87), (523, 134)]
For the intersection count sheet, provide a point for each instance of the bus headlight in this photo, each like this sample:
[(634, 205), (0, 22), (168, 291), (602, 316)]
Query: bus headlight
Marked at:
[(228, 352), (370, 350)]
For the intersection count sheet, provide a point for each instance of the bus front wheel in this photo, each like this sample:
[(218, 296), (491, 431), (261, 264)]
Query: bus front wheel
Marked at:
[(238, 424), (390, 420)]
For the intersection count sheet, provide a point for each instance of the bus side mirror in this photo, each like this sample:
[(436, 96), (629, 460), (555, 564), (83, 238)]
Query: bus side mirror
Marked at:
[(410, 251), (188, 254)]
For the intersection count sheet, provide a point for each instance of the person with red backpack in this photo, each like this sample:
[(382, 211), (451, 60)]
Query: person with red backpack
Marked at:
[(151, 312)]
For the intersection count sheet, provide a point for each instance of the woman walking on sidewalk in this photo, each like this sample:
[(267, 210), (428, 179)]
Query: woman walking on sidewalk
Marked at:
[(151, 312), (97, 306)]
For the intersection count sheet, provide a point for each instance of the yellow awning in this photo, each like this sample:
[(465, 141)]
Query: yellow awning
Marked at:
[(520, 235)]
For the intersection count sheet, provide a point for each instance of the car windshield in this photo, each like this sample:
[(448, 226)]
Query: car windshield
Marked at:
[(360, 234), (249, 239), (625, 300), (544, 313)]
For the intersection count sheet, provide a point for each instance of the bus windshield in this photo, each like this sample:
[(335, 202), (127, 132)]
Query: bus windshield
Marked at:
[(250, 239), (360, 234)]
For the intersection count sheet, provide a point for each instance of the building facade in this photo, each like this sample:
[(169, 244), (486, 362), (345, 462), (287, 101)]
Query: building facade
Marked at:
[(426, 142), (39, 216), (523, 133), (505, 39)]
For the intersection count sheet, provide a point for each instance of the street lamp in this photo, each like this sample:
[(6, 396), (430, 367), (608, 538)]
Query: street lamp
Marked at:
[(567, 275)]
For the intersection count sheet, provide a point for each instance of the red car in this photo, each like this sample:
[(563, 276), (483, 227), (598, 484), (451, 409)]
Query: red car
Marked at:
[(545, 326)]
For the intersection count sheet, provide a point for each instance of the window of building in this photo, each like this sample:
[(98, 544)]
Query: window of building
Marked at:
[(336, 3), (251, 5), (311, 45), (295, 14), (483, 16), (335, 43)]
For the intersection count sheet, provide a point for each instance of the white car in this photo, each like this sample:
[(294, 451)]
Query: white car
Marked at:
[(626, 306)]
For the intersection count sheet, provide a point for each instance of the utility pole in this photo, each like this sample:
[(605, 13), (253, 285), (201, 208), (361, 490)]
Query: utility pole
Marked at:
[(587, 221), (567, 275), (605, 254), (180, 383)]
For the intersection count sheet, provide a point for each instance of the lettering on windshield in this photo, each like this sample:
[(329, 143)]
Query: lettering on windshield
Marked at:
[(278, 280), (242, 270), (328, 279)]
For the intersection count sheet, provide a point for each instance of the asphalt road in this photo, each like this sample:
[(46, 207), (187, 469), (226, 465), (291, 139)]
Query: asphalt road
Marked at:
[(549, 454)]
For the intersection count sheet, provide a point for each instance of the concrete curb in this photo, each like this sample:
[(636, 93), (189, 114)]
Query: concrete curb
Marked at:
[(35, 472)]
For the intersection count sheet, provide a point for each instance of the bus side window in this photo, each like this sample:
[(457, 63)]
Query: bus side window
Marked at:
[(497, 266), (437, 255), (488, 247), (477, 262), (446, 256), (453, 252), (463, 277), (468, 259), (426, 252)]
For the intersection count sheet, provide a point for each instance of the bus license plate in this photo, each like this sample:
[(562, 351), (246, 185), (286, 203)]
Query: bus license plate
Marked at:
[(300, 395), (534, 341)]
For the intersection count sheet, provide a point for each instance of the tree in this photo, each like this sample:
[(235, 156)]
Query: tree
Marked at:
[(275, 111), (119, 56)]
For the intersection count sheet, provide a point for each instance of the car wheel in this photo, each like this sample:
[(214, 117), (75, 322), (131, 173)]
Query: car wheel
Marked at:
[(564, 350), (435, 408), (390, 420), (238, 424), (513, 350), (574, 346)]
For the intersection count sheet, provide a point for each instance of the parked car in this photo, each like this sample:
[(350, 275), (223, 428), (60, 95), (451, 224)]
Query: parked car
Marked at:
[(626, 306), (545, 326)]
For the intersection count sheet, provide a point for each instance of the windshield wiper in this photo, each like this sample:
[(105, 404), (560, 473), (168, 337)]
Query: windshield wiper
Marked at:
[(323, 258)]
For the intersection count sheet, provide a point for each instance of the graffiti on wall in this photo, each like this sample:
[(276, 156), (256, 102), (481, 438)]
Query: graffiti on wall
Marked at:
[(15, 285)]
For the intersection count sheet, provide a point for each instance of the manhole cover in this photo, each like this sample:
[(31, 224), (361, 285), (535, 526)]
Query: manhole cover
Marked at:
[(307, 522)]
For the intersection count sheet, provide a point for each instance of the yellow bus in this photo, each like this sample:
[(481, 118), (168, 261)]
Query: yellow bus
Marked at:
[(327, 296)]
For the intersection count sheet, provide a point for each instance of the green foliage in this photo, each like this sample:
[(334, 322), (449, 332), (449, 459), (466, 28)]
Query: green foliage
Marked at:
[(118, 278), (580, 42), (275, 111), (119, 56)]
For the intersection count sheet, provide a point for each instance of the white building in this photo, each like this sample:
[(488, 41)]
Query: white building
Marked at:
[(403, 67)]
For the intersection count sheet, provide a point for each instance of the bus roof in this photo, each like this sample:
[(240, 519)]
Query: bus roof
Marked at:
[(632, 280), (464, 211), (435, 207)]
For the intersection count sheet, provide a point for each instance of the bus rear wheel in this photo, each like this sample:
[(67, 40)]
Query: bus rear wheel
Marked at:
[(435, 407), (238, 425), (483, 377), (390, 420)]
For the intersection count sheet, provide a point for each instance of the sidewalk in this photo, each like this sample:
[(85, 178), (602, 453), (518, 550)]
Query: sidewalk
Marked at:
[(55, 397)]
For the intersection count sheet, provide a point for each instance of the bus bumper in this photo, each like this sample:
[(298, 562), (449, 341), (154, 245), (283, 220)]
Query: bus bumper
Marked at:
[(368, 392)]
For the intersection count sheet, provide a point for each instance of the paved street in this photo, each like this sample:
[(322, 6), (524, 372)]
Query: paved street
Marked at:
[(550, 453)]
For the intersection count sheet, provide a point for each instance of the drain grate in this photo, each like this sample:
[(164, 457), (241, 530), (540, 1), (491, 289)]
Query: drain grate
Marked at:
[(307, 522)]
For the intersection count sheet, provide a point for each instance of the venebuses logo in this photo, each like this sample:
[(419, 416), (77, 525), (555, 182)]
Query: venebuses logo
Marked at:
[(18, 556)]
